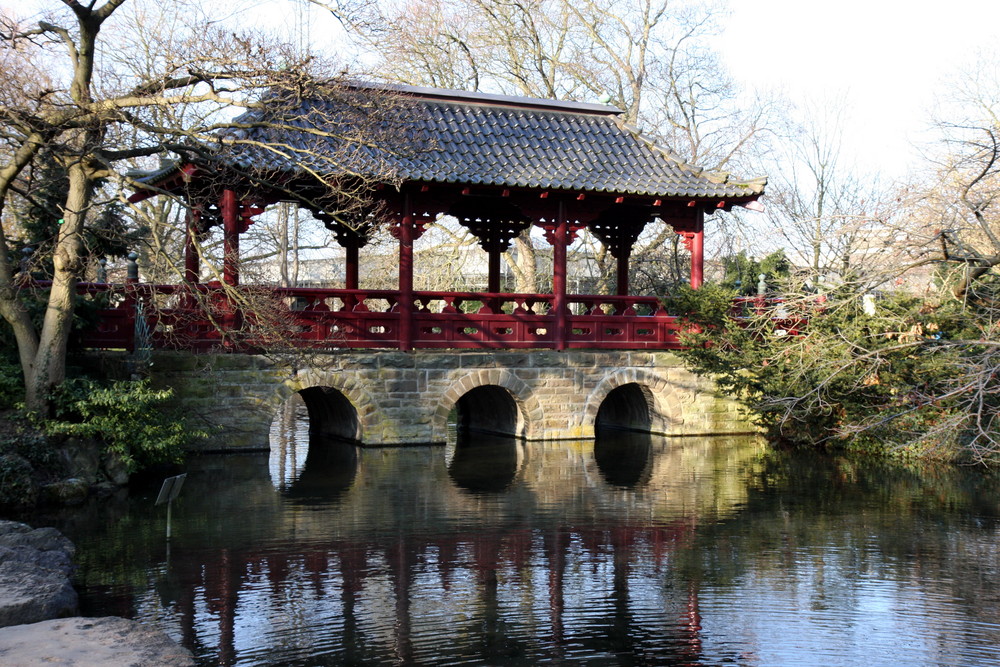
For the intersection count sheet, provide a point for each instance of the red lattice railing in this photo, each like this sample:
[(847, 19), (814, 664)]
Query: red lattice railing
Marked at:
[(203, 317)]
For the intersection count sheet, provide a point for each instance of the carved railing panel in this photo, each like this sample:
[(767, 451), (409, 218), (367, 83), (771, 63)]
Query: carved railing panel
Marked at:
[(206, 317)]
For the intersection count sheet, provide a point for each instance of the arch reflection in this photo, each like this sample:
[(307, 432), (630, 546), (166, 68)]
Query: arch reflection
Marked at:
[(330, 469), (305, 462), (484, 463), (624, 457)]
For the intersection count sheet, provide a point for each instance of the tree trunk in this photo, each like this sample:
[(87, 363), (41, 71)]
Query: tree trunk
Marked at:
[(49, 367), (526, 267)]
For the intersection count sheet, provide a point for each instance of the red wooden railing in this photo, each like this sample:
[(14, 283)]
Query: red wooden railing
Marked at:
[(205, 317)]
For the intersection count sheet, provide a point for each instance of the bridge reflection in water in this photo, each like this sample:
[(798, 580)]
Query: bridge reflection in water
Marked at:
[(489, 550), (626, 551), (636, 550)]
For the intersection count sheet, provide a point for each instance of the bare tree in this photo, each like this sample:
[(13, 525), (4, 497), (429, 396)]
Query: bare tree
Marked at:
[(652, 59), (95, 114), (830, 216), (956, 201)]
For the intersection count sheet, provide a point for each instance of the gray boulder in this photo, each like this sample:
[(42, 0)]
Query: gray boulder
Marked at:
[(35, 570), (90, 642)]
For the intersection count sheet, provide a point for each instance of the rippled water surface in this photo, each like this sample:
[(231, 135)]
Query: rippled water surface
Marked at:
[(631, 550)]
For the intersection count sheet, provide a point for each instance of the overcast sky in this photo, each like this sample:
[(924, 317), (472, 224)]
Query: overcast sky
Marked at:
[(888, 56)]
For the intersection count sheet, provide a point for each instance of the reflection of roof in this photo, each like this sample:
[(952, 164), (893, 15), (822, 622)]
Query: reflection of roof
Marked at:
[(480, 139)]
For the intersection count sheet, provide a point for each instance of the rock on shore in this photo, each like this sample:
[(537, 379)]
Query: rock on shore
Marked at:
[(89, 642), (36, 594), (35, 570)]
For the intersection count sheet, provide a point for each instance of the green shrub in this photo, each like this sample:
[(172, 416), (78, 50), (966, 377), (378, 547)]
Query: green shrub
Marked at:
[(128, 417), (33, 447), (874, 382), (11, 383), (17, 485)]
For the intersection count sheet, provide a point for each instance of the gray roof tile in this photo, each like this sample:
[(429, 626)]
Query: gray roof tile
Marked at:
[(471, 138)]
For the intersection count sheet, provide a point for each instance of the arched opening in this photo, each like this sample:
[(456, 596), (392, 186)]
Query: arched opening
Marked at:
[(628, 407), (488, 409), (331, 414), (313, 445)]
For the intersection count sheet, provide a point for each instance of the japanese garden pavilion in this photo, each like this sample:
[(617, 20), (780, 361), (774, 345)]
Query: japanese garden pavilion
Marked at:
[(499, 165)]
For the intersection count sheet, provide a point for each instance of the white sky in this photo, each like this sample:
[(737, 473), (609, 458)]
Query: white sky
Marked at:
[(888, 56)]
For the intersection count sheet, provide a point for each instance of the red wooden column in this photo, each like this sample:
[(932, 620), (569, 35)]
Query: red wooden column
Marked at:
[(494, 221), (697, 249), (407, 231), (493, 280), (351, 262), (230, 238), (405, 236), (618, 227), (691, 229), (192, 269), (559, 236), (622, 282)]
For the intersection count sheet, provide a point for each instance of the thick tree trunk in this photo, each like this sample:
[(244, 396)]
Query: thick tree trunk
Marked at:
[(526, 267), (49, 367), (11, 307)]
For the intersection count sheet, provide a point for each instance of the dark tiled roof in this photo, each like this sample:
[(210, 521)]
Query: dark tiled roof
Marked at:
[(480, 139)]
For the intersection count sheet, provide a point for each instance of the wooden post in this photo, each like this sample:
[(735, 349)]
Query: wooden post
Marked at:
[(698, 251), (351, 265), (493, 281), (623, 257), (405, 236), (230, 238), (559, 242), (192, 269), (351, 261)]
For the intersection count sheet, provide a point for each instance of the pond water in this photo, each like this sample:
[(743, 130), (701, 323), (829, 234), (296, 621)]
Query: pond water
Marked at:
[(631, 550)]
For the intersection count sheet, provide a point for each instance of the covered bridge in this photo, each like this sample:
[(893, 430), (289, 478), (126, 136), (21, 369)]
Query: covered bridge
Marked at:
[(368, 159)]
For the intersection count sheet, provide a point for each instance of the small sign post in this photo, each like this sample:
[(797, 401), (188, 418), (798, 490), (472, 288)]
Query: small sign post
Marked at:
[(168, 492)]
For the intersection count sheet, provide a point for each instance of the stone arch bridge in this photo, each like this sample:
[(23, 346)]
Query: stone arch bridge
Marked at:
[(395, 398)]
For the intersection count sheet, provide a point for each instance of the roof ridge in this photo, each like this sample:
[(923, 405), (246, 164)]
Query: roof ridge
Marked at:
[(489, 99)]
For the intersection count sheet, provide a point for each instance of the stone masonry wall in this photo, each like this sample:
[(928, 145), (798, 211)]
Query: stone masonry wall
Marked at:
[(405, 398)]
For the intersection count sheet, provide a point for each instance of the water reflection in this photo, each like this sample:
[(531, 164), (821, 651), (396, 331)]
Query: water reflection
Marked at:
[(484, 463), (329, 471), (306, 465), (624, 457), (289, 442), (640, 551)]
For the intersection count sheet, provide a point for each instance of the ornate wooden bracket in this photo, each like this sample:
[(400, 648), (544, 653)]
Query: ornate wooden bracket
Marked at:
[(687, 238), (419, 226), (494, 221), (353, 234), (246, 211), (619, 226), (572, 229)]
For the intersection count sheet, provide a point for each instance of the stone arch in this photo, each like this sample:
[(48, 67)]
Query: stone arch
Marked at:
[(629, 406), (529, 411), (352, 391), (665, 411)]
